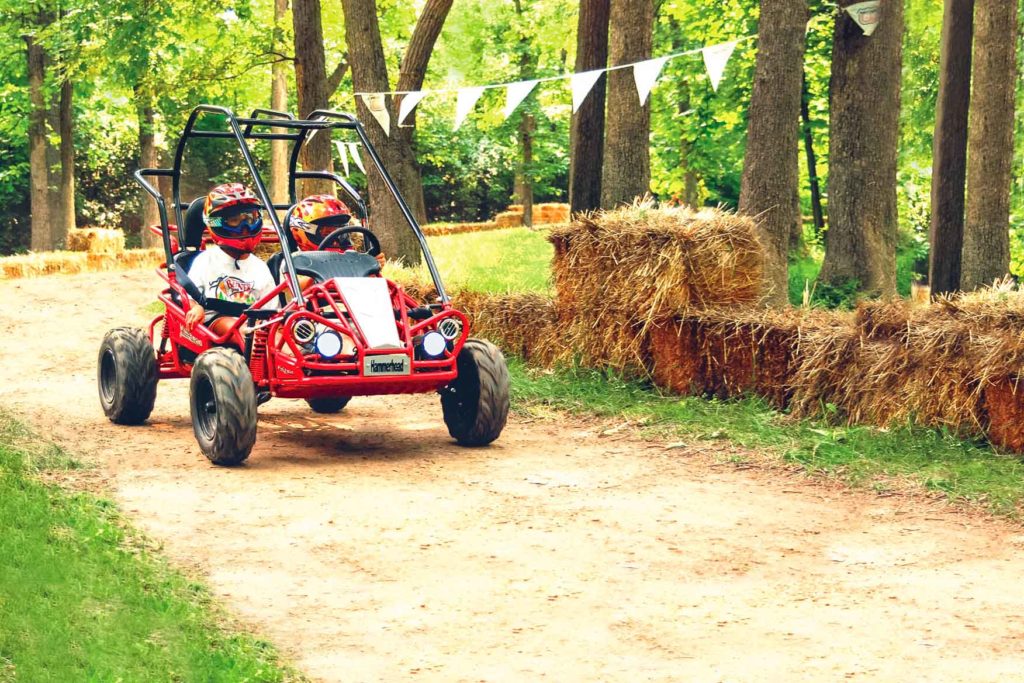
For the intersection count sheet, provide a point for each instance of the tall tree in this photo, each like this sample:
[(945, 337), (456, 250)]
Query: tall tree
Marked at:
[(370, 75), (523, 185), (770, 185), (986, 250), (586, 139), (42, 231), (66, 221), (311, 85), (627, 147), (860, 244), (949, 148), (812, 162), (279, 102)]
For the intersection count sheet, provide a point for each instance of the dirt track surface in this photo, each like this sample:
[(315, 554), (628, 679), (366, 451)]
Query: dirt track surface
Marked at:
[(369, 548)]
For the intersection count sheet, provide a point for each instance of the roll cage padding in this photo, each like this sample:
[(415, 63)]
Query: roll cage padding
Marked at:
[(192, 233), (326, 265)]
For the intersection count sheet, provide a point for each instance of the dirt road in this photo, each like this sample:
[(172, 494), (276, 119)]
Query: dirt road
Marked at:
[(369, 548)]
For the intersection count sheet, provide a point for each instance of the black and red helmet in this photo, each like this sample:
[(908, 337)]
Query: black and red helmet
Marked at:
[(315, 217), (233, 214)]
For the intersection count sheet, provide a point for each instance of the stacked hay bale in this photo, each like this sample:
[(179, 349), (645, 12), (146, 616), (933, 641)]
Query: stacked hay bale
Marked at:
[(621, 274), (70, 262), (96, 241), (954, 364)]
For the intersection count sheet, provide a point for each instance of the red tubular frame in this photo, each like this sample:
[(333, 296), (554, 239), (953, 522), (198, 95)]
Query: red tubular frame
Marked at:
[(293, 373)]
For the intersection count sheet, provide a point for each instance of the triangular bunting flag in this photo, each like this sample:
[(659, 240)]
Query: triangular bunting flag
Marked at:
[(409, 102), (343, 153), (582, 83), (515, 93), (468, 98), (715, 59), (378, 105), (866, 14), (646, 75), (353, 149)]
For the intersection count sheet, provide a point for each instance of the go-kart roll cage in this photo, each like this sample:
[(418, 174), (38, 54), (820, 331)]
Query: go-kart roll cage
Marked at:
[(319, 120)]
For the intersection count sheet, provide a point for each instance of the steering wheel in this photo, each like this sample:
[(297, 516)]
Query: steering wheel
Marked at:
[(370, 242)]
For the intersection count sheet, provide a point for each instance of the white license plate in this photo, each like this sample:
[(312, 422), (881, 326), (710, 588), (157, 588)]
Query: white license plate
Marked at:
[(376, 366)]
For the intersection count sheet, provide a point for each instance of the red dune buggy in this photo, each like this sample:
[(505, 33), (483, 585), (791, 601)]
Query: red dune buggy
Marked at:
[(350, 332)]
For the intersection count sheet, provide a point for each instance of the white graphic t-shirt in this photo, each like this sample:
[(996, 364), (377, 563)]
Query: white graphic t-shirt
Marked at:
[(219, 276)]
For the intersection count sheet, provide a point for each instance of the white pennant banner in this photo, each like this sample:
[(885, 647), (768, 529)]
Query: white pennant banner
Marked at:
[(515, 93), (343, 153), (715, 59), (353, 148), (866, 14), (468, 98), (378, 105), (646, 75), (409, 102), (582, 83)]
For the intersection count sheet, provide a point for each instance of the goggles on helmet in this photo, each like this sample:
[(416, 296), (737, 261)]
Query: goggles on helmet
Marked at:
[(242, 224)]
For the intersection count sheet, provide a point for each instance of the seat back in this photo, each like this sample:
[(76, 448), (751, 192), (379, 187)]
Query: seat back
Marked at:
[(191, 236)]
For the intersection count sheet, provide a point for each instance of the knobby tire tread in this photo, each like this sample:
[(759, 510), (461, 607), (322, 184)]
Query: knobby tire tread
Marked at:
[(136, 375)]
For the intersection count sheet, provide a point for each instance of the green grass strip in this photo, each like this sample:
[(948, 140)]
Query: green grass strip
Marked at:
[(81, 599), (962, 471)]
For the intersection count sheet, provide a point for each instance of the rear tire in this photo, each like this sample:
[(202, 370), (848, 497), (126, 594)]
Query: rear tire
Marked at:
[(328, 406), (127, 375), (476, 404), (223, 403)]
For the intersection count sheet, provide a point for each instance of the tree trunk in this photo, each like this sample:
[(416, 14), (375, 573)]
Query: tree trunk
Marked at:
[(771, 176), (311, 85), (67, 165), (279, 102), (42, 234), (524, 177), (627, 147), (986, 250), (146, 115), (949, 147), (587, 136), (370, 75), (812, 161), (523, 188), (864, 113)]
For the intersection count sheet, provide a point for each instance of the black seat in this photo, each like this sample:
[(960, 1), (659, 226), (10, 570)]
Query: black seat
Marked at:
[(190, 237), (326, 265)]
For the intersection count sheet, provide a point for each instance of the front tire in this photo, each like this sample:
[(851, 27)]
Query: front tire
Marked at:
[(328, 406), (127, 376), (223, 403), (476, 404)]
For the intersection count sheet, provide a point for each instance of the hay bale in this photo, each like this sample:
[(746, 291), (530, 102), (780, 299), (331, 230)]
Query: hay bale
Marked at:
[(546, 214), (521, 324), (1004, 403), (96, 241), (619, 272), (508, 219), (677, 363), (883, 319)]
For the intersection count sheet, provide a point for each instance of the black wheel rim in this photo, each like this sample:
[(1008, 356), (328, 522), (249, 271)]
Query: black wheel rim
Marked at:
[(206, 408), (108, 376)]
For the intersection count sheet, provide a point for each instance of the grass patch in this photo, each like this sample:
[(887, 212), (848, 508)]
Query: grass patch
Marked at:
[(961, 471), (493, 262), (82, 599)]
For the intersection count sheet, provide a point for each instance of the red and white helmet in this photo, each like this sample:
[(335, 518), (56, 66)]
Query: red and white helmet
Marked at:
[(316, 217), (233, 214)]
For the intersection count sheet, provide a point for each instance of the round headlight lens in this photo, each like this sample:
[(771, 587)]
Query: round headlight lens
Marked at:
[(328, 344), (434, 344)]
